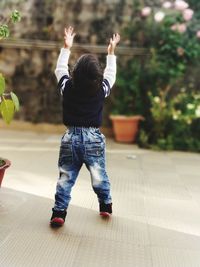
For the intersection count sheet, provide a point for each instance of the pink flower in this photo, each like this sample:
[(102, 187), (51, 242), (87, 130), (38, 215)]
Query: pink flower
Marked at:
[(180, 51), (146, 11), (181, 5), (179, 27), (174, 27), (167, 4), (159, 16), (198, 34), (182, 28), (188, 14)]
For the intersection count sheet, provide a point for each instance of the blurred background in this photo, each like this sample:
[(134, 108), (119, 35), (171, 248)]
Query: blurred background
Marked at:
[(158, 62)]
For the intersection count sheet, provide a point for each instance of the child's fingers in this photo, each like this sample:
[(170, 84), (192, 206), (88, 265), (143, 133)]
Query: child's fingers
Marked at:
[(117, 38), (71, 29), (72, 33), (68, 30)]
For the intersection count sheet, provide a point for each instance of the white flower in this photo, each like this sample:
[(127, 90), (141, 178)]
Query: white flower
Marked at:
[(167, 4), (189, 121), (197, 112), (156, 99), (159, 16), (188, 14), (181, 5), (146, 11), (197, 97), (176, 114), (190, 106), (175, 117)]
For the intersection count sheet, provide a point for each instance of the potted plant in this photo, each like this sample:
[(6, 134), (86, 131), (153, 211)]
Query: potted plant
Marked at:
[(170, 31), (126, 102), (9, 102), (4, 164)]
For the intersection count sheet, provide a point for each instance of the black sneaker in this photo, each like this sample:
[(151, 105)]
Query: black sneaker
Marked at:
[(105, 209), (58, 218)]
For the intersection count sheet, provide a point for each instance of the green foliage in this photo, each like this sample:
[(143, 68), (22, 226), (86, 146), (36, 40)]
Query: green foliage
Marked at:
[(4, 27), (9, 102), (176, 122), (157, 82), (7, 109), (4, 31), (127, 89), (15, 16), (2, 84), (15, 101), (2, 162)]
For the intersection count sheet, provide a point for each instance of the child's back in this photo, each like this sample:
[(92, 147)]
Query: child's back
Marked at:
[(83, 143)]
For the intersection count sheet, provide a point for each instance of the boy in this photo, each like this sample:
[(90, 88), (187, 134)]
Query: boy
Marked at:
[(83, 96)]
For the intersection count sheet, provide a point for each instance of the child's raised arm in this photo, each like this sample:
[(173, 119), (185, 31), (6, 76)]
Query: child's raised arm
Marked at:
[(113, 43), (109, 76), (62, 63), (61, 70)]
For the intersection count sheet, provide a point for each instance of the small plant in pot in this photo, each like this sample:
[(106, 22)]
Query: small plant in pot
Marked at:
[(4, 164), (126, 102), (9, 102)]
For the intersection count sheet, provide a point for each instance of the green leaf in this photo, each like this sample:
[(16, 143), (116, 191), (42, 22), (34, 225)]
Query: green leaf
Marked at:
[(15, 101), (7, 110), (2, 84), (15, 16), (4, 31)]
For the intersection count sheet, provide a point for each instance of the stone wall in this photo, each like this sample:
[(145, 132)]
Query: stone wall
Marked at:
[(30, 72)]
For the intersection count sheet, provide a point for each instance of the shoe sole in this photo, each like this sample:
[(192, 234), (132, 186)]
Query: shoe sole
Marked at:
[(57, 222), (105, 214)]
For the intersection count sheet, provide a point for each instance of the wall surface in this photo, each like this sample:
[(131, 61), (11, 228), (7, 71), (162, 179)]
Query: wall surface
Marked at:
[(30, 70)]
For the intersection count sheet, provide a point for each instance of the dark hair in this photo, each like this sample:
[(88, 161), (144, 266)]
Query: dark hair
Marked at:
[(87, 75)]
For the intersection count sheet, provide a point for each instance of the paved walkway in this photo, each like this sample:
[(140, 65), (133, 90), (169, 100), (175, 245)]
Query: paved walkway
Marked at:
[(156, 220)]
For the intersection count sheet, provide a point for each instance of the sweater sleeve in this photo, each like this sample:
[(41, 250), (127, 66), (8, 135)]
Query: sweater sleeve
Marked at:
[(61, 71), (109, 76)]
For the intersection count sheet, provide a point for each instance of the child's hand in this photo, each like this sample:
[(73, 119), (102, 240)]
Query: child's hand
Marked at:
[(69, 37), (113, 43)]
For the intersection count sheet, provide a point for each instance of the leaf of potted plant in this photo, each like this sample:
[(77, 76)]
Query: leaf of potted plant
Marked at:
[(9, 102)]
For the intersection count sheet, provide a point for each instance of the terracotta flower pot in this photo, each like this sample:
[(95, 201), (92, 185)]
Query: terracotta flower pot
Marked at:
[(125, 127), (2, 169)]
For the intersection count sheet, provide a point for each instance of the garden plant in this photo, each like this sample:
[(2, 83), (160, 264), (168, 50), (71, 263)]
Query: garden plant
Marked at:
[(163, 87), (9, 102)]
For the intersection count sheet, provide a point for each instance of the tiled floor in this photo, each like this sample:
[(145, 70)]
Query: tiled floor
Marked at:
[(156, 203)]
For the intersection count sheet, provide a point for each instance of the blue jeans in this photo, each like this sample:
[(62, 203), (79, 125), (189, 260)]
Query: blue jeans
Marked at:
[(82, 145)]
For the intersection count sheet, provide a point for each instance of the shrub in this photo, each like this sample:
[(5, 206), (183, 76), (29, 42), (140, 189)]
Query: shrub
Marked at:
[(9, 102), (171, 34)]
